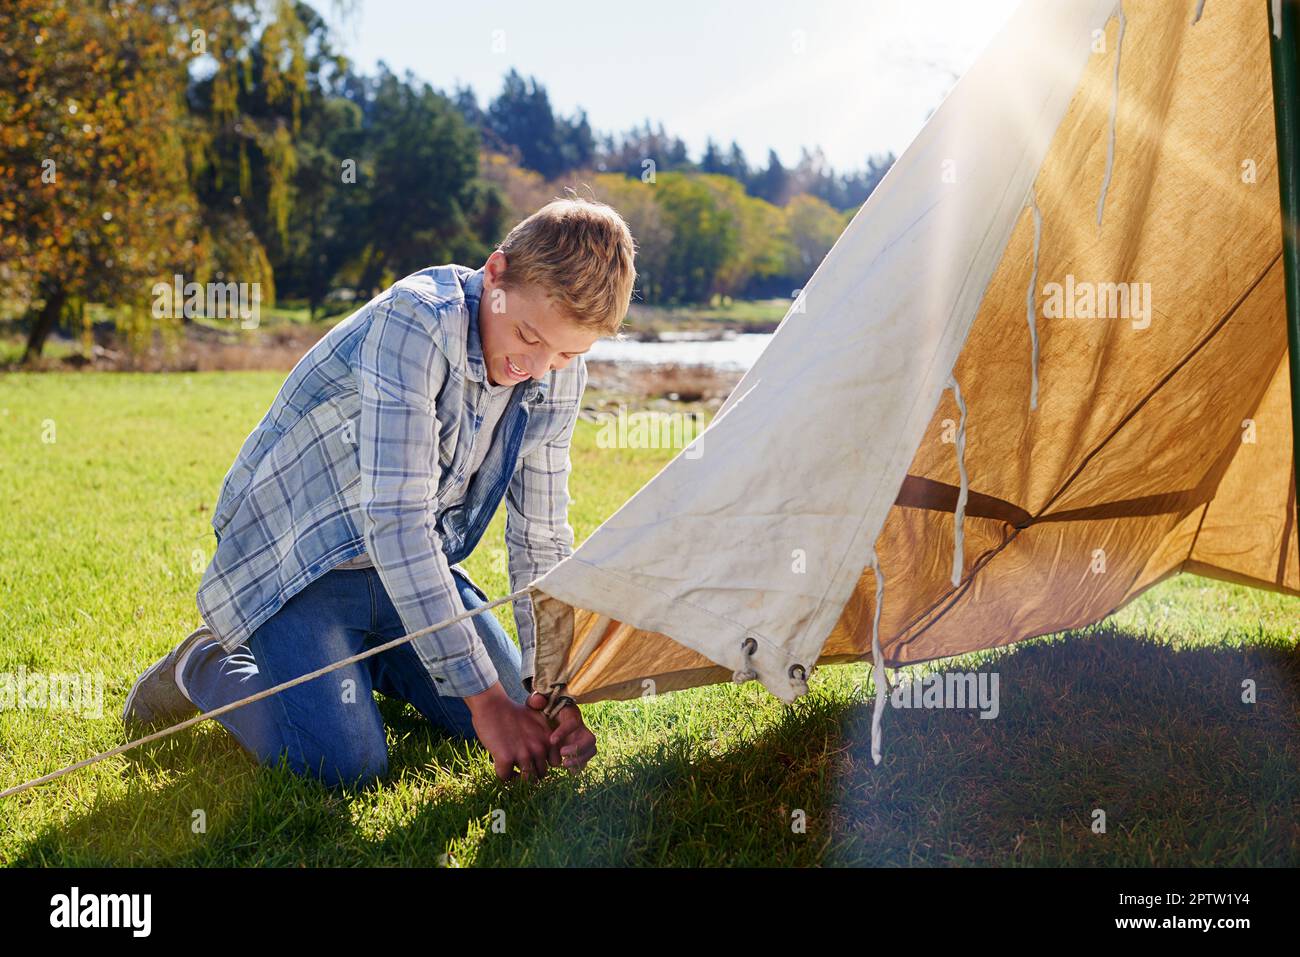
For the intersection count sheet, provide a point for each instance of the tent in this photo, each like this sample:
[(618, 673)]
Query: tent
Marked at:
[(1044, 368)]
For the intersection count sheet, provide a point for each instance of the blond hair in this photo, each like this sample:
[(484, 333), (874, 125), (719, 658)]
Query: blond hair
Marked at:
[(580, 253)]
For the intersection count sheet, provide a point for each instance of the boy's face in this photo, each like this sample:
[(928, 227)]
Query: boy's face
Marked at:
[(522, 333)]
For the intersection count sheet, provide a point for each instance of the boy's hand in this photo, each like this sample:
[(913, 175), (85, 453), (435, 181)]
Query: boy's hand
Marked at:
[(513, 734), (572, 745)]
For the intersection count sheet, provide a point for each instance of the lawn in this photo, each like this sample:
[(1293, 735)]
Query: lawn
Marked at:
[(105, 537)]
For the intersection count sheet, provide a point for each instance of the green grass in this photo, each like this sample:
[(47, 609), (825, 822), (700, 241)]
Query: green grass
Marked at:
[(105, 535), (285, 313), (747, 315), (13, 346), (67, 342)]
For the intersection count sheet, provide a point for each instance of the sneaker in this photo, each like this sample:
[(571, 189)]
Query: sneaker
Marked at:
[(158, 695)]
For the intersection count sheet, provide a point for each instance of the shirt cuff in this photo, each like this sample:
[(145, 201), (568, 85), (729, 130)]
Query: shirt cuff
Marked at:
[(464, 675), (526, 627)]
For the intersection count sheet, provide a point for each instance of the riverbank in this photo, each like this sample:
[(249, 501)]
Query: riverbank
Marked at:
[(200, 348), (285, 333)]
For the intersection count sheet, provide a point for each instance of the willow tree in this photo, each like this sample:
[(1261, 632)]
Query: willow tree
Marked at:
[(252, 83)]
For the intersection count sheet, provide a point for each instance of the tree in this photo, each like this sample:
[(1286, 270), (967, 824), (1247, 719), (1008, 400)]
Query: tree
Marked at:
[(637, 203), (425, 203), (759, 251), (705, 237), (259, 99), (329, 195), (712, 161), (813, 226), (521, 116), (629, 154), (95, 202), (577, 142), (854, 188), (737, 165), (773, 183)]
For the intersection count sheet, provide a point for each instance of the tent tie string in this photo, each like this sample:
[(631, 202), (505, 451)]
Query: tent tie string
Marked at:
[(963, 492), (266, 693), (878, 663), (1031, 302), (1114, 112)]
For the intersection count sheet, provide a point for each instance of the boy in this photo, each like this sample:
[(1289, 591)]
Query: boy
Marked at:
[(345, 517)]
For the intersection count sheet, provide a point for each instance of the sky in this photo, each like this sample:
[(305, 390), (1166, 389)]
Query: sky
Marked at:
[(855, 78)]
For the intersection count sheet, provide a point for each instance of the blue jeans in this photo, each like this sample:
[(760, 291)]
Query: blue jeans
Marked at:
[(330, 727)]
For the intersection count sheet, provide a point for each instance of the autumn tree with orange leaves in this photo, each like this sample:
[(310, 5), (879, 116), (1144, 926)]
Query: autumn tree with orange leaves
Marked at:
[(95, 201)]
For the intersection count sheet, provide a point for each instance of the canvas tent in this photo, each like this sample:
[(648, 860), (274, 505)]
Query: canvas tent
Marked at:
[(941, 402)]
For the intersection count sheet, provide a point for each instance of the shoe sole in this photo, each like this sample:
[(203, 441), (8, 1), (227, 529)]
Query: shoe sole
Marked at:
[(131, 716)]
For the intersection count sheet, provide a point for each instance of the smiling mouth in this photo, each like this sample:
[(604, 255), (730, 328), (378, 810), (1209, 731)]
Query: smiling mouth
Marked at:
[(514, 371)]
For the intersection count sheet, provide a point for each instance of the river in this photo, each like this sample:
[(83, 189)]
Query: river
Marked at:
[(737, 352)]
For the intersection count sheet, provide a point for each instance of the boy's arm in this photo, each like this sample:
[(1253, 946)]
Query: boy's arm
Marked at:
[(399, 372), (538, 537), (538, 533)]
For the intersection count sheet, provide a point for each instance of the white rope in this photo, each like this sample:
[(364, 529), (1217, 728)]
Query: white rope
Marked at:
[(963, 491), (878, 663), (190, 722), (1114, 111), (1031, 304)]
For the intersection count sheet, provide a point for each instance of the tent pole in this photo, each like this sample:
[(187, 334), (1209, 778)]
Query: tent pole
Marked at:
[(1285, 54)]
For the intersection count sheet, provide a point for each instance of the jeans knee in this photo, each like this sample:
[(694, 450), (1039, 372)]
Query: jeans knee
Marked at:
[(352, 762)]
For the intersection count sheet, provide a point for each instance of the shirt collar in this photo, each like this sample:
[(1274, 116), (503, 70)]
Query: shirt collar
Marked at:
[(474, 365), (473, 345)]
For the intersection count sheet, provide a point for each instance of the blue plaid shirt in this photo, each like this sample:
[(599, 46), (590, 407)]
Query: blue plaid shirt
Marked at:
[(371, 430)]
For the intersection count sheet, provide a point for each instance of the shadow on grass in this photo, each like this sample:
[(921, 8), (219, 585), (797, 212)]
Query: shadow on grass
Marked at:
[(1156, 737)]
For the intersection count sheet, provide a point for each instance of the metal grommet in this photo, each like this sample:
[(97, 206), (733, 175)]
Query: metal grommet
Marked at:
[(746, 671), (798, 679)]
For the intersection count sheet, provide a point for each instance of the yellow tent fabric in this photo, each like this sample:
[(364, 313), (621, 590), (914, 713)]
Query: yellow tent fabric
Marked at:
[(1093, 145)]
